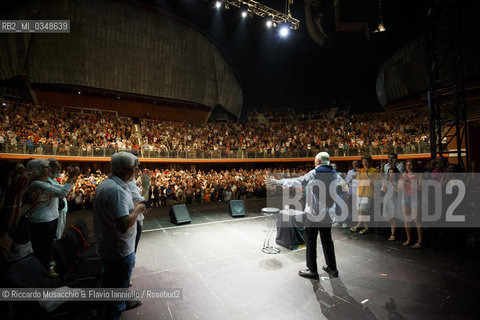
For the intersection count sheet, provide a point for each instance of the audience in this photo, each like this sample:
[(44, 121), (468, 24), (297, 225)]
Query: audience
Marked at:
[(48, 130)]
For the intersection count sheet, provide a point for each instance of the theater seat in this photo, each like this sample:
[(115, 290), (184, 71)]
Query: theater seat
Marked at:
[(75, 258)]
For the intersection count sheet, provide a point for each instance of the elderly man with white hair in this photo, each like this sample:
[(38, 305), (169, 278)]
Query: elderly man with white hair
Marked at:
[(115, 216), (314, 209), (44, 217)]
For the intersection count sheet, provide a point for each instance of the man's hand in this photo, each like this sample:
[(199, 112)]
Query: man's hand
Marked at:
[(271, 182), (145, 178), (140, 208), (126, 222)]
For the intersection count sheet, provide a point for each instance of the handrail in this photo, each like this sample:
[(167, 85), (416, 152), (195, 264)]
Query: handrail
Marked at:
[(96, 151)]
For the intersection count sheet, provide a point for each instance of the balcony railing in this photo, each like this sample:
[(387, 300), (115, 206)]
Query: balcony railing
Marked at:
[(49, 150)]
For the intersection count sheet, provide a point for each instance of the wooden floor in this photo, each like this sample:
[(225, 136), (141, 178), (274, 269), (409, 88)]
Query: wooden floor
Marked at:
[(218, 264)]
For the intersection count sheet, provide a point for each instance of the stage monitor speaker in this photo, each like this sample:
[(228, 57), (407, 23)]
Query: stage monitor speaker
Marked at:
[(236, 208), (179, 214)]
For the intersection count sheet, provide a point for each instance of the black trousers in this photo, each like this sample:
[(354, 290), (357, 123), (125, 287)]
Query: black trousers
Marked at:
[(139, 234), (327, 245), (43, 235)]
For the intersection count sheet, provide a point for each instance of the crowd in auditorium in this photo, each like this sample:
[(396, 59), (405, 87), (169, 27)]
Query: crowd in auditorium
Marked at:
[(170, 186), (41, 129)]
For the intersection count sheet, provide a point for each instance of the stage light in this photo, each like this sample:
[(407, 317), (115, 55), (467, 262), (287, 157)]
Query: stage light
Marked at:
[(244, 11), (4, 104), (284, 30), (269, 23), (252, 7), (79, 92), (381, 27)]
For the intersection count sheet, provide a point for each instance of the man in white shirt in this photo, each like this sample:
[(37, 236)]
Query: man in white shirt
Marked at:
[(314, 210), (392, 163), (115, 219)]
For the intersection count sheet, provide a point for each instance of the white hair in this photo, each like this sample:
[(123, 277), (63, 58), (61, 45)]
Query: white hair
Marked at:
[(121, 160), (37, 164), (323, 157)]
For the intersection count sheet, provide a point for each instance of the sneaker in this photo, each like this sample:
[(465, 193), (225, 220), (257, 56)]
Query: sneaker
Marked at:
[(344, 225), (336, 225)]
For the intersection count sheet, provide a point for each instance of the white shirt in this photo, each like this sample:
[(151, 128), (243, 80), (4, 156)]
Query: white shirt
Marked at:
[(48, 211), (399, 166), (113, 199)]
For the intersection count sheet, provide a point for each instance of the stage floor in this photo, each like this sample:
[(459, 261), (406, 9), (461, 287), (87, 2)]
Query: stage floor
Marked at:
[(218, 264)]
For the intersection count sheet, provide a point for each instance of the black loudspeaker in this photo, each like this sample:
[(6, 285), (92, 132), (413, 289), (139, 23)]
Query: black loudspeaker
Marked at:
[(236, 208), (179, 214)]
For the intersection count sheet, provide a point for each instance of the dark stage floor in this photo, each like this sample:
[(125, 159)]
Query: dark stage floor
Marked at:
[(218, 263)]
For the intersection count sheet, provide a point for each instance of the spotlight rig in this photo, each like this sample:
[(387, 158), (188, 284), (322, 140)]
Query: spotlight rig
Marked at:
[(276, 17)]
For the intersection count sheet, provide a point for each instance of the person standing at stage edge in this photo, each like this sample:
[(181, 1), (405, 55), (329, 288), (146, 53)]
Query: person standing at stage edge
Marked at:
[(317, 219), (114, 220)]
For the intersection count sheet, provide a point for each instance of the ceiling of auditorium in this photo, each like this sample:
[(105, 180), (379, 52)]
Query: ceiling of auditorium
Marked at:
[(298, 71)]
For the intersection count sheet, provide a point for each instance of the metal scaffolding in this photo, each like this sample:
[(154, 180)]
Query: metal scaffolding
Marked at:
[(255, 7), (446, 92)]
